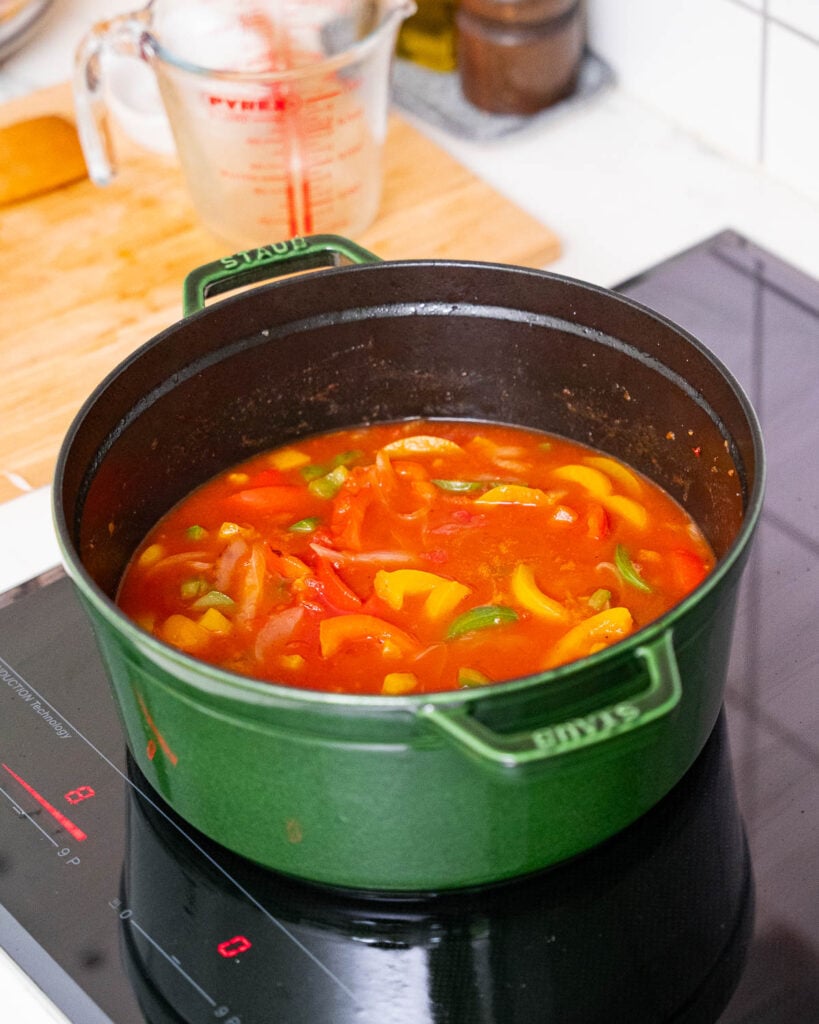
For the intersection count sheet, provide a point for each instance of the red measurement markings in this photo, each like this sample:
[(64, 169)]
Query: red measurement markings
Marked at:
[(160, 738), (323, 97), (308, 207), (291, 209), (67, 824)]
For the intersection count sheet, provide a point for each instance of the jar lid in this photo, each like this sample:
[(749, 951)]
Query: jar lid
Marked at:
[(515, 12)]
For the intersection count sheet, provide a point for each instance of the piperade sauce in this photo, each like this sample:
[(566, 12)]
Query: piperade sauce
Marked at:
[(413, 557)]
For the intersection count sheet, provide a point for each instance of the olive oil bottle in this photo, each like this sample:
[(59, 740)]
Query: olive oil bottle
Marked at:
[(428, 36)]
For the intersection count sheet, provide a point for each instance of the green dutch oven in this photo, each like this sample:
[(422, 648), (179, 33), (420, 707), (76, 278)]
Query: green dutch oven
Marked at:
[(434, 791)]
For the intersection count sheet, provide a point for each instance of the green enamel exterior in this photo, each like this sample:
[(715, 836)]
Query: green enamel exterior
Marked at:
[(366, 793)]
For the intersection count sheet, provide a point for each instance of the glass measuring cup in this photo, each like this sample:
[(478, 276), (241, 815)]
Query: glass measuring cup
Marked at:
[(278, 108)]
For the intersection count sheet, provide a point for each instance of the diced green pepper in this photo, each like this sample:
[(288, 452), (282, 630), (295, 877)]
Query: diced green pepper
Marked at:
[(482, 617), (318, 469), (196, 532), (600, 600), (329, 485), (313, 471), (346, 458), (305, 525), (192, 588), (626, 569)]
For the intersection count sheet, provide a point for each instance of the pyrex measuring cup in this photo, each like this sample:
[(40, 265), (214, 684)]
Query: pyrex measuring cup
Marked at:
[(278, 107)]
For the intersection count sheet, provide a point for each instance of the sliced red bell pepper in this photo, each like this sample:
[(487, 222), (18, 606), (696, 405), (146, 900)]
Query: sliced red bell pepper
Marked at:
[(689, 568), (267, 478), (337, 593), (597, 522), (279, 498), (349, 509)]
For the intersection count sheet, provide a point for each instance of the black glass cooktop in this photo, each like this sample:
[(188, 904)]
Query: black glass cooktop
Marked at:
[(705, 910)]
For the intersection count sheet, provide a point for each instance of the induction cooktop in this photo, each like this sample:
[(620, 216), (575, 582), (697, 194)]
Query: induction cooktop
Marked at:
[(704, 910)]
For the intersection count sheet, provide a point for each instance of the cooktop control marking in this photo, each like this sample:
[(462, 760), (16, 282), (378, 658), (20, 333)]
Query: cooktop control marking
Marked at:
[(38, 704), (127, 915), (18, 810), (73, 830), (17, 683)]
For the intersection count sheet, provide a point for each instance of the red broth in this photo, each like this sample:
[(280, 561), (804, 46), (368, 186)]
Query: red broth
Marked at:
[(413, 557)]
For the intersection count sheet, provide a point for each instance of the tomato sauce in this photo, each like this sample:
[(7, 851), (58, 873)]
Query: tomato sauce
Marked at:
[(413, 557)]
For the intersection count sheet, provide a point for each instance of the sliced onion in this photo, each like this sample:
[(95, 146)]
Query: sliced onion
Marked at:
[(387, 557), (278, 629)]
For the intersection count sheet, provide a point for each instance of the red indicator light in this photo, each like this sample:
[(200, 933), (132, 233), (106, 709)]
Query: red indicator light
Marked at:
[(76, 796), (233, 947), (67, 824)]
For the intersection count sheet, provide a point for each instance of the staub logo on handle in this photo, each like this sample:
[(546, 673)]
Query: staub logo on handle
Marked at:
[(265, 253), (575, 729)]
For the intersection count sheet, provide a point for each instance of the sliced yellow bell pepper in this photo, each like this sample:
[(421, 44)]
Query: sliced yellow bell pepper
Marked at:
[(595, 482), (444, 595), (215, 622), (527, 593), (288, 458), (630, 510), (146, 621), (591, 635), (150, 556), (624, 477), (341, 630), (396, 683), (230, 529), (445, 598), (468, 677), (515, 494), (291, 661), (394, 587), (184, 633)]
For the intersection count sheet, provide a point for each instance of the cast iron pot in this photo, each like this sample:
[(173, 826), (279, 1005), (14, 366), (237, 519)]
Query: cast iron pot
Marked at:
[(429, 791)]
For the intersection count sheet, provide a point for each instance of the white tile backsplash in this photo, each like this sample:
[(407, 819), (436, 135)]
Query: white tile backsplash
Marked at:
[(742, 75), (699, 62), (802, 15), (752, 5)]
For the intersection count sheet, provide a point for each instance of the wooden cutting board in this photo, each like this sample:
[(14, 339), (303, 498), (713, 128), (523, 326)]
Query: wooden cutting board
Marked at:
[(89, 274)]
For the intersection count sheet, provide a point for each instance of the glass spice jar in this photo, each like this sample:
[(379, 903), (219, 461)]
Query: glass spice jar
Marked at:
[(519, 56)]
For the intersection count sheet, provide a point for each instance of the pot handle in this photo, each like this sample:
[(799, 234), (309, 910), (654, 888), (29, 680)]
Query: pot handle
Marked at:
[(267, 262), (512, 750)]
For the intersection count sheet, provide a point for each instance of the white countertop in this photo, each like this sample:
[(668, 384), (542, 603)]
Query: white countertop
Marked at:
[(620, 185)]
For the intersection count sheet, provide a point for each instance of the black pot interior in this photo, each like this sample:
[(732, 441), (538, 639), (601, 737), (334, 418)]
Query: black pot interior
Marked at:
[(395, 341)]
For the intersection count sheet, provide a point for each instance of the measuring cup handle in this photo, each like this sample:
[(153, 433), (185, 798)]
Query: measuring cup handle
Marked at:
[(267, 262), (125, 35)]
